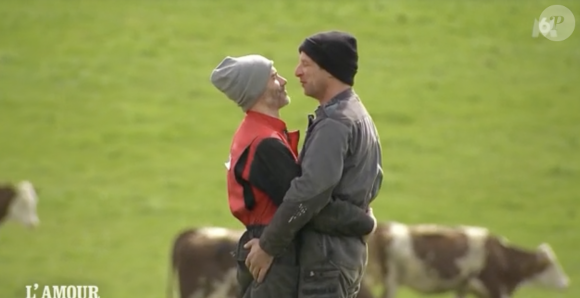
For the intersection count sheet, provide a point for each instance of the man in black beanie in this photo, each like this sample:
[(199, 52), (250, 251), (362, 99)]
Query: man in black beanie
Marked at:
[(328, 64), (340, 158)]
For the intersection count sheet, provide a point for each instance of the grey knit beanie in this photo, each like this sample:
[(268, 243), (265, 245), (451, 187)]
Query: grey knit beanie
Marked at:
[(242, 79)]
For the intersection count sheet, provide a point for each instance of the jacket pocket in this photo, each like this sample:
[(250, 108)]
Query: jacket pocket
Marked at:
[(320, 282)]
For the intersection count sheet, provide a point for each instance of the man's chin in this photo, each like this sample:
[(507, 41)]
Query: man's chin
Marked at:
[(307, 92)]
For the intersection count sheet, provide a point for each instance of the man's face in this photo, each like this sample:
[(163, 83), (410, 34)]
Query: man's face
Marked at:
[(312, 78), (276, 96)]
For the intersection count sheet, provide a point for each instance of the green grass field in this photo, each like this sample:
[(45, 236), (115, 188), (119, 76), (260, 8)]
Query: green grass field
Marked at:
[(107, 107)]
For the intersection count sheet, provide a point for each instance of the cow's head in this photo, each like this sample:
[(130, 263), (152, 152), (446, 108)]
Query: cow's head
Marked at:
[(552, 276), (23, 207)]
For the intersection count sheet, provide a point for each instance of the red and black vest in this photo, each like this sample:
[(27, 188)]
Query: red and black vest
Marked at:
[(247, 203)]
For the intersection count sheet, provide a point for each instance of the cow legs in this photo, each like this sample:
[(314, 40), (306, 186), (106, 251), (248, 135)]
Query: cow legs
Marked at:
[(461, 293), (463, 290), (390, 282), (495, 292), (189, 285)]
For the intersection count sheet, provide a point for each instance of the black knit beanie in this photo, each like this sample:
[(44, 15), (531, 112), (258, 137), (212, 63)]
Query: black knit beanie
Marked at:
[(334, 51)]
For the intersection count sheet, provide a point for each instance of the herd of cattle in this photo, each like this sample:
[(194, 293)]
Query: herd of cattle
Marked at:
[(427, 258)]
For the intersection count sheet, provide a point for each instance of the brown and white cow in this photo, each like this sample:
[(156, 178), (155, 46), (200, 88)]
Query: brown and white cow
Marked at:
[(204, 264), (435, 259), (18, 203)]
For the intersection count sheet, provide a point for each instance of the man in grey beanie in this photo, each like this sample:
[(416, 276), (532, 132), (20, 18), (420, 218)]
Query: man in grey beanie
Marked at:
[(261, 166), (341, 158), (245, 79)]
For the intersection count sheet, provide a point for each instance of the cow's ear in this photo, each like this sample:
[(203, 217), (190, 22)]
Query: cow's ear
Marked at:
[(545, 247), (546, 250)]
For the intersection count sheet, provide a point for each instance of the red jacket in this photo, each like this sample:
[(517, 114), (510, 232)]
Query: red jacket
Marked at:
[(247, 203)]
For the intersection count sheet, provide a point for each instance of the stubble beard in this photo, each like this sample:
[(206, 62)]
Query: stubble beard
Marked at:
[(311, 91), (279, 99)]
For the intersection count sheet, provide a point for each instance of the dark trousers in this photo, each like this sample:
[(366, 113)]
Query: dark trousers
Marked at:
[(287, 279), (281, 281)]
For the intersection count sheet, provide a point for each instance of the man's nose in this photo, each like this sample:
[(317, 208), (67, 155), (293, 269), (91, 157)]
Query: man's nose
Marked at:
[(298, 71)]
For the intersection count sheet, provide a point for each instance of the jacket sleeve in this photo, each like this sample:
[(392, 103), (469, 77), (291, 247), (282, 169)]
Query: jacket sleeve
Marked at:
[(341, 218), (272, 171), (322, 166)]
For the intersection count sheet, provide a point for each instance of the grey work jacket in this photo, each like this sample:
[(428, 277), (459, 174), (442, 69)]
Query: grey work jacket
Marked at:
[(341, 158)]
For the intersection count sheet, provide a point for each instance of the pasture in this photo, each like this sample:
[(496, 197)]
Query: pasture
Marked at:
[(107, 107)]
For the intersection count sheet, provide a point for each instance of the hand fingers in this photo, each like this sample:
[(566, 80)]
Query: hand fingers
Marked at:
[(250, 243), (251, 268), (255, 269), (248, 263), (250, 260), (261, 274), (255, 272)]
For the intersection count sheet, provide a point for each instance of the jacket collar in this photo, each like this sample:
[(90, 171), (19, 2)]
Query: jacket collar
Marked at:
[(332, 103), (343, 95), (273, 122)]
